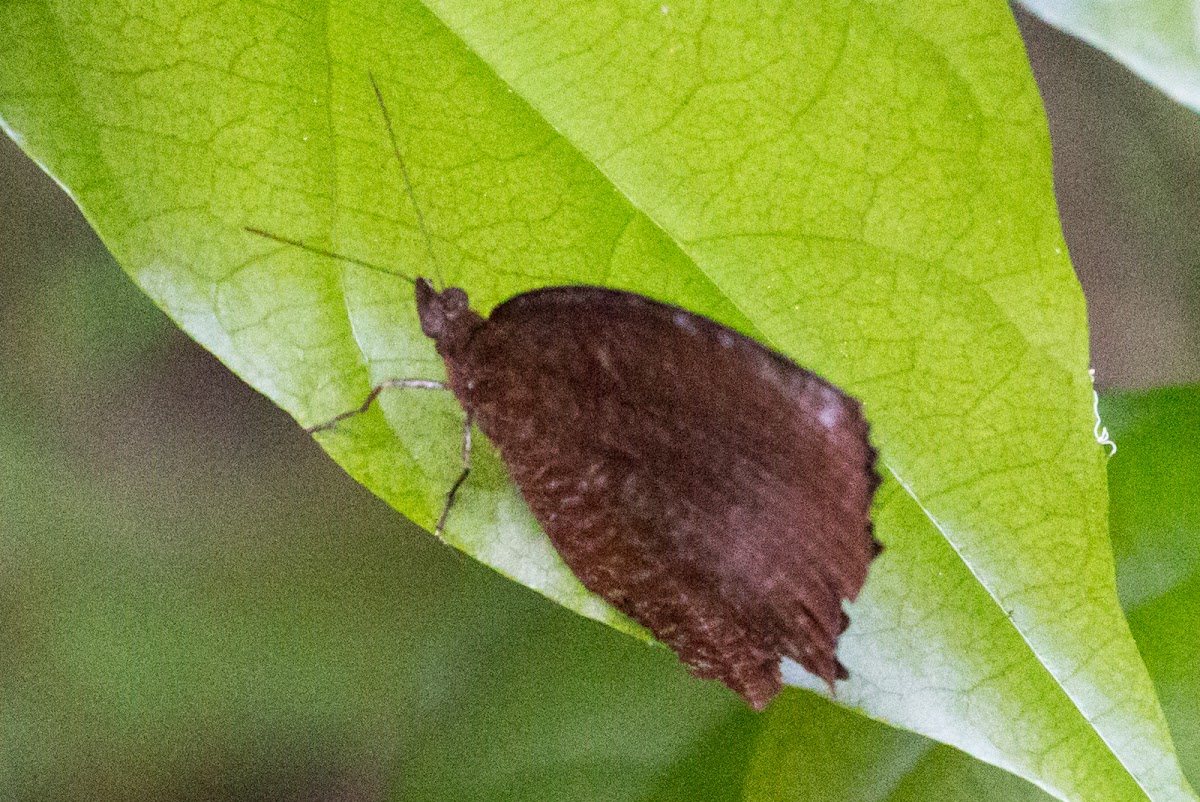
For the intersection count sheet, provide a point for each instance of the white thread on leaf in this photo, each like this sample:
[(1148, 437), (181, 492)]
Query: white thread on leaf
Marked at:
[(1101, 431)]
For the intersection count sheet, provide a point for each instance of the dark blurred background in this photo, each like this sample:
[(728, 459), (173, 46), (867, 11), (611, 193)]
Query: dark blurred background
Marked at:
[(1127, 176), (171, 630)]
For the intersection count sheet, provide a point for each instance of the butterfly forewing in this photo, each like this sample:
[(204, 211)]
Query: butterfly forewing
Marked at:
[(709, 488)]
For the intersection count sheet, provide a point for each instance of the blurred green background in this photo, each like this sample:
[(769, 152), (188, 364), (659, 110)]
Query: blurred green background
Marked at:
[(171, 630)]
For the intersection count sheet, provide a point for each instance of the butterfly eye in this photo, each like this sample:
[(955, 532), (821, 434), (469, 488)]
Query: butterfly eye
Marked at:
[(454, 299)]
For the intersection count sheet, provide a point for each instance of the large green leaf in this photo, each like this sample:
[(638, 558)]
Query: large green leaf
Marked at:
[(1154, 38), (865, 187)]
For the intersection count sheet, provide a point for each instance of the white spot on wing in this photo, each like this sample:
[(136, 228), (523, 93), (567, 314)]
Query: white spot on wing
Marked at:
[(830, 412), (684, 321), (829, 415)]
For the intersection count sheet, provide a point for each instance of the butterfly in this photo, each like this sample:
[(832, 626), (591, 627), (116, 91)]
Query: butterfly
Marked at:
[(708, 487)]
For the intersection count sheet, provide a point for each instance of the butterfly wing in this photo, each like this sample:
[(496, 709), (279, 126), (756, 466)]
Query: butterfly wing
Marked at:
[(709, 488)]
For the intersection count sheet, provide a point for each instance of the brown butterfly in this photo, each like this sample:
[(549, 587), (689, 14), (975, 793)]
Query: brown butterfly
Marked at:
[(709, 488), (706, 486)]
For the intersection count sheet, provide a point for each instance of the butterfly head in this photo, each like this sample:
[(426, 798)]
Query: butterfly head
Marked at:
[(446, 316)]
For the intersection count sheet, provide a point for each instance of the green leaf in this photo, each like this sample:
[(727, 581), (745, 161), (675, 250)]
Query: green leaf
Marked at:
[(1156, 536), (1153, 512), (1154, 38), (864, 187)]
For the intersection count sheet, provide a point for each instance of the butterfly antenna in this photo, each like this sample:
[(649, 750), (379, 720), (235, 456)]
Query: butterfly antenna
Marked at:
[(408, 187), (325, 252)]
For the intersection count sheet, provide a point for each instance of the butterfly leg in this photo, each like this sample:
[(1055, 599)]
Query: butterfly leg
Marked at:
[(420, 384), (462, 477)]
